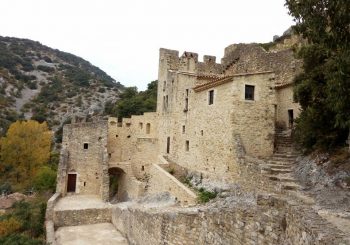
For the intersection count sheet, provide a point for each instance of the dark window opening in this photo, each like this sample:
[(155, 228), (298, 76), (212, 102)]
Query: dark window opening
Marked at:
[(290, 118), (249, 92), (187, 92), (166, 101), (109, 155), (141, 125), (143, 168), (202, 132), (148, 128), (164, 85), (187, 145), (183, 129), (128, 124), (116, 136), (186, 105), (211, 97), (168, 145), (128, 136), (84, 183), (86, 146)]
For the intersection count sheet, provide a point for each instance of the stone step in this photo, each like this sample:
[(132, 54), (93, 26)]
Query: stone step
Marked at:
[(280, 171), (280, 154), (291, 186), (281, 178), (282, 159), (278, 166)]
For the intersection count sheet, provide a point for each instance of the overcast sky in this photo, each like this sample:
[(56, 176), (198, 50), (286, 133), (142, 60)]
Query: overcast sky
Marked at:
[(123, 37)]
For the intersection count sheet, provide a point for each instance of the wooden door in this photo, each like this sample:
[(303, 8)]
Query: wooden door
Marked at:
[(72, 180)]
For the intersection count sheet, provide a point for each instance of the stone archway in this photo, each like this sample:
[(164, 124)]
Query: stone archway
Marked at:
[(117, 192)]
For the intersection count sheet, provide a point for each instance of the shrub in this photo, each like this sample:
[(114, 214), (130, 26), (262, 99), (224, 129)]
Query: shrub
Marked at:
[(6, 188), (205, 196), (45, 179), (45, 68), (101, 90), (9, 226), (19, 239)]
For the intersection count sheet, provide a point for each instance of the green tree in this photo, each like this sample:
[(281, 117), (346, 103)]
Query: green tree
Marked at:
[(26, 147), (132, 102), (323, 88)]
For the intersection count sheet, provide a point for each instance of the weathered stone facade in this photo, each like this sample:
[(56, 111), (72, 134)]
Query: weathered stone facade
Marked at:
[(217, 120), (202, 108)]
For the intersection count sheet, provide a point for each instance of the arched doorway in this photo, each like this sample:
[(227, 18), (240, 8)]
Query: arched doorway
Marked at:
[(117, 192)]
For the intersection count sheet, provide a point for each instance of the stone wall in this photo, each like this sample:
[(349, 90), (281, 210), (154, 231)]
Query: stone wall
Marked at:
[(81, 216), (134, 140), (162, 181), (197, 134), (285, 103), (269, 221), (86, 144)]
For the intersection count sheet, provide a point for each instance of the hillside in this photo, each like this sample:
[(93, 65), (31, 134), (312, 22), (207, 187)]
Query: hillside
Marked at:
[(46, 84)]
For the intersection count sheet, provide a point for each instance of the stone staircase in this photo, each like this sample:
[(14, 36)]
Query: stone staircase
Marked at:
[(280, 165)]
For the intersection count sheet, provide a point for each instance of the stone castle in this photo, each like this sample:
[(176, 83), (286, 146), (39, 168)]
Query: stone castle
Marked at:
[(212, 119)]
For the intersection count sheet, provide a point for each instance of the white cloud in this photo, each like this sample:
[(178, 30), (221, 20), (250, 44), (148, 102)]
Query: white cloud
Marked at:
[(123, 37)]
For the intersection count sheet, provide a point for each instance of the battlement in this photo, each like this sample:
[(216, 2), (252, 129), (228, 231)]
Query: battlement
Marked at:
[(188, 61)]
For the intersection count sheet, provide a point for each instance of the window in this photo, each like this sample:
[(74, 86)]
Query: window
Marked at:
[(148, 128), (249, 92), (187, 145), (164, 85), (168, 145), (141, 125), (166, 101), (86, 146), (128, 124), (202, 132), (186, 105), (183, 129), (186, 101), (211, 97)]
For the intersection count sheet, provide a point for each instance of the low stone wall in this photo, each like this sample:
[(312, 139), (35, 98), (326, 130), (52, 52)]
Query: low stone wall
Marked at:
[(81, 217), (50, 206), (269, 221), (50, 233), (162, 181)]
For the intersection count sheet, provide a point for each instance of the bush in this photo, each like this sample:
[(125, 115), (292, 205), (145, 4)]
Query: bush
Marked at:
[(9, 226), (45, 179), (5, 188), (46, 69), (206, 196), (101, 90), (20, 240)]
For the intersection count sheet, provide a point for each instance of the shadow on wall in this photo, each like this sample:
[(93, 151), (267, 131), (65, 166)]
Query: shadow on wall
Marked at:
[(116, 191)]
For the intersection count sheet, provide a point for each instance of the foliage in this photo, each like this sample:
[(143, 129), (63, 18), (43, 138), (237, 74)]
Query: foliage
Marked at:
[(5, 188), (9, 226), (205, 196), (27, 218), (47, 69), (324, 86), (45, 179), (134, 103), (20, 240), (26, 147)]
